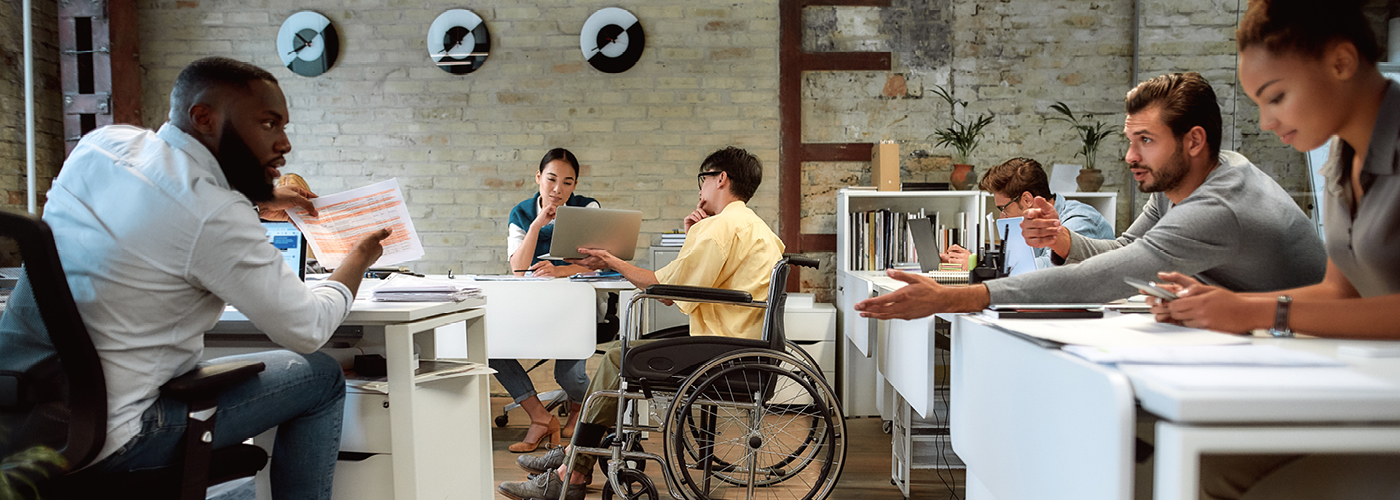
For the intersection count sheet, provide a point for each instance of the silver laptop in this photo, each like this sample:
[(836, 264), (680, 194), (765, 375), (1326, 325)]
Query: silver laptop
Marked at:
[(613, 230)]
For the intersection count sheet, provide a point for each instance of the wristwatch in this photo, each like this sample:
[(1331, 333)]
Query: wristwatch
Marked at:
[(1280, 328)]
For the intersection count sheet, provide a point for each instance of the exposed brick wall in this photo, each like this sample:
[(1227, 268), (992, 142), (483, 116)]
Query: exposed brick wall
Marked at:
[(48, 117), (465, 148)]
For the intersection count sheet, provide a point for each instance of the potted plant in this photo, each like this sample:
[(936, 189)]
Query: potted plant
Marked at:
[(963, 137), (1091, 136)]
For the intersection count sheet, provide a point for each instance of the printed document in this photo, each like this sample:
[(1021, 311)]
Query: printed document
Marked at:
[(346, 216)]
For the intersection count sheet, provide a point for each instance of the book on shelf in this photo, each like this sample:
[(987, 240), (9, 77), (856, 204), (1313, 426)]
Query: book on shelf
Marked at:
[(881, 239)]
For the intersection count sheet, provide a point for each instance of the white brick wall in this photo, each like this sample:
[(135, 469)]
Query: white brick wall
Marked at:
[(465, 148)]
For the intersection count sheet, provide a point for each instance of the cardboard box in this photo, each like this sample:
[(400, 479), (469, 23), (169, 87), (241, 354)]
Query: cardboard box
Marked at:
[(884, 166)]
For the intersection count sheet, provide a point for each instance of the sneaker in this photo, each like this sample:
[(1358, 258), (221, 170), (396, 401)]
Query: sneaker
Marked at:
[(550, 461), (541, 487)]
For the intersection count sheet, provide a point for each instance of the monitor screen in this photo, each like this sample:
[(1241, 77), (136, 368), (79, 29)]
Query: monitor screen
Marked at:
[(290, 242)]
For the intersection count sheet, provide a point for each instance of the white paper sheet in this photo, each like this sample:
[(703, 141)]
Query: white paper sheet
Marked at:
[(1064, 178), (346, 216), (1123, 330), (1020, 259), (1216, 355)]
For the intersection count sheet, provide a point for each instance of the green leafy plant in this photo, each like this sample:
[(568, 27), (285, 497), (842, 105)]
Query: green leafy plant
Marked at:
[(20, 472), (1091, 136), (962, 136)]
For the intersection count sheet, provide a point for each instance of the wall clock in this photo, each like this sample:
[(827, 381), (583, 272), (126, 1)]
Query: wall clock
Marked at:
[(458, 41), (308, 43), (612, 40)]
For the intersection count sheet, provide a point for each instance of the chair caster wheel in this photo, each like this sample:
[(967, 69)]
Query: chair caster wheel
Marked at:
[(502, 420)]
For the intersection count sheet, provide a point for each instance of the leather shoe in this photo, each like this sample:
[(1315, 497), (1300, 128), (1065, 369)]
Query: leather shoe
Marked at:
[(549, 461), (542, 487)]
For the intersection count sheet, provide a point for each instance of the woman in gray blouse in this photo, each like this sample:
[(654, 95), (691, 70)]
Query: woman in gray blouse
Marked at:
[(1311, 68)]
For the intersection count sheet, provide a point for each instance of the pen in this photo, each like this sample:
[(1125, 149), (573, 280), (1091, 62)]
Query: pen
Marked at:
[(521, 271)]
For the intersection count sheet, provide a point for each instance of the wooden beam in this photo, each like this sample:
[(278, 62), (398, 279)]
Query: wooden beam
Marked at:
[(790, 128), (818, 243), (855, 151), (845, 3), (125, 61), (845, 61)]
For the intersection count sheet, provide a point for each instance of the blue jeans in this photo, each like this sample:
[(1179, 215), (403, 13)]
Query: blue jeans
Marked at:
[(303, 395), (571, 374)]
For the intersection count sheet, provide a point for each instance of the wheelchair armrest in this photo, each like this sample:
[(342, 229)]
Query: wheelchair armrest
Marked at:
[(205, 383), (700, 293)]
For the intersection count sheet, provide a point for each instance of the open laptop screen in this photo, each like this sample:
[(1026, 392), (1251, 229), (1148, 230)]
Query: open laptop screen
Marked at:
[(290, 242)]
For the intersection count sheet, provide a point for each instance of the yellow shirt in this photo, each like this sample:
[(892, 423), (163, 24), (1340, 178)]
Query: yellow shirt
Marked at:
[(734, 250)]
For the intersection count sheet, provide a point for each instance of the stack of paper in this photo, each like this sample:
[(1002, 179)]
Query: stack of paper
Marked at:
[(405, 288), (673, 238)]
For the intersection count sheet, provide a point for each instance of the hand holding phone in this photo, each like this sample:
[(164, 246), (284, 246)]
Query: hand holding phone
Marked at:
[(1150, 289)]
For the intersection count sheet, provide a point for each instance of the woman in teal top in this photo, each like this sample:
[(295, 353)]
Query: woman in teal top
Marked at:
[(531, 229)]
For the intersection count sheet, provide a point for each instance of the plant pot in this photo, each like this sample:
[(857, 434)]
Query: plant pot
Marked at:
[(962, 177), (1089, 180)]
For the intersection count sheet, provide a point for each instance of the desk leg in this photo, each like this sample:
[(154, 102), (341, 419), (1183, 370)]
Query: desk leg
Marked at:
[(1177, 470)]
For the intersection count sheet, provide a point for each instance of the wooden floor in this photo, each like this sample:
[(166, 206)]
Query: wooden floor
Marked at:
[(866, 474)]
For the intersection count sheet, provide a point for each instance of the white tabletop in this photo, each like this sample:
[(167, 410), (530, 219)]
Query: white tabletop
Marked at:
[(1365, 390), (366, 312)]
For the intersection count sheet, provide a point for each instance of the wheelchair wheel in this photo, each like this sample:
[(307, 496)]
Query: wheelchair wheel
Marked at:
[(755, 424), (634, 443), (635, 485)]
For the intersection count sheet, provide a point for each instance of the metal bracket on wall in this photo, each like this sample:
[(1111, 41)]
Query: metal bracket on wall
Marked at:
[(92, 104)]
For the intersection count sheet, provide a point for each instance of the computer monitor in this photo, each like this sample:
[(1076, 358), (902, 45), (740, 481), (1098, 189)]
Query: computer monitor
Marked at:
[(290, 243)]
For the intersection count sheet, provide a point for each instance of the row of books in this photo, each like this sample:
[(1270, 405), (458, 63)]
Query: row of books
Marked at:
[(881, 239)]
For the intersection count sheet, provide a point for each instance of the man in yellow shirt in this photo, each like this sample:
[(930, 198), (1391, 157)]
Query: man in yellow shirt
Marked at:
[(726, 246)]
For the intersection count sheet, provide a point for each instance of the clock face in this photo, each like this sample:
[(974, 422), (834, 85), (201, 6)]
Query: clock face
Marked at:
[(612, 40), (308, 43), (458, 42)]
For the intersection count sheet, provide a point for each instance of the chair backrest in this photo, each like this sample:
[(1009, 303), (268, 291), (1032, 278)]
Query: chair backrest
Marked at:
[(52, 390)]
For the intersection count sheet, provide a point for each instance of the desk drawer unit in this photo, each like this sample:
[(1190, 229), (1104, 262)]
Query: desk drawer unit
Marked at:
[(363, 477), (366, 425)]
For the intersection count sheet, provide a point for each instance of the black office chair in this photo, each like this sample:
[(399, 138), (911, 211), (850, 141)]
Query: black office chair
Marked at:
[(53, 397)]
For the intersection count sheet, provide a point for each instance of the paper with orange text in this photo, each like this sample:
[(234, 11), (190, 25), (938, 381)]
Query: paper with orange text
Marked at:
[(346, 216)]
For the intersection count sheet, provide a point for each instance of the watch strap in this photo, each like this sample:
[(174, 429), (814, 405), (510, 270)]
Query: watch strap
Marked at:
[(1280, 328)]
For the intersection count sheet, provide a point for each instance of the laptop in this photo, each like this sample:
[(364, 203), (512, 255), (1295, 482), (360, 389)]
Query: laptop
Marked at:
[(290, 243), (1018, 257), (577, 227)]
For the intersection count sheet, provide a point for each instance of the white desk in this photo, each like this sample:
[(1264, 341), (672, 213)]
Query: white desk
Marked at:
[(439, 436), (1033, 422), (554, 319)]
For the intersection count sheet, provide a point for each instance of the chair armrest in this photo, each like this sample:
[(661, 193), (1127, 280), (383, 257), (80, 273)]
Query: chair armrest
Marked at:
[(205, 383), (679, 292), (798, 260)]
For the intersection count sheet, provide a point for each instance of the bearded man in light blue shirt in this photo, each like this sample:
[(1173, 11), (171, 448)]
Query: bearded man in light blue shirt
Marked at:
[(1016, 184)]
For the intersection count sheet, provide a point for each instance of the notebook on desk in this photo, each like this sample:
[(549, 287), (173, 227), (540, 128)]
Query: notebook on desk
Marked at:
[(290, 243)]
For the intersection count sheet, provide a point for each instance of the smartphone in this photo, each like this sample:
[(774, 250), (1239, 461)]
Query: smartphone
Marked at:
[(1150, 289)]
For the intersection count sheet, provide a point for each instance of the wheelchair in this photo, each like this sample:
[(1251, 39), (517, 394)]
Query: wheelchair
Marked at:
[(738, 418)]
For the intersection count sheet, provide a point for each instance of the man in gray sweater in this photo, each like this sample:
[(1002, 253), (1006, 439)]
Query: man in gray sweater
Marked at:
[(1212, 214)]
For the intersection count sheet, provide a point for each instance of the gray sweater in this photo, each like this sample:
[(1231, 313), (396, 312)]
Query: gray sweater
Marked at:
[(1238, 230)]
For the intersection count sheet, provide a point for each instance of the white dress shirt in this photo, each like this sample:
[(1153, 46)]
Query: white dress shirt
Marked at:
[(154, 242)]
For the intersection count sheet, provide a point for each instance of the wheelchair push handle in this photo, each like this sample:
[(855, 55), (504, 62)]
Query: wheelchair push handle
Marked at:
[(799, 260)]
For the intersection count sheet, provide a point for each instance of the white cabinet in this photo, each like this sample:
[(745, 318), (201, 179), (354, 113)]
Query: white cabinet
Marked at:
[(660, 316)]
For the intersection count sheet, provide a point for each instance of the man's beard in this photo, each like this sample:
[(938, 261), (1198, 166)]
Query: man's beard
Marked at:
[(1167, 177), (241, 167)]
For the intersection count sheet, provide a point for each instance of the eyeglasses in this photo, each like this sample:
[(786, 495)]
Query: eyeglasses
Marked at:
[(1002, 208), (700, 178)]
